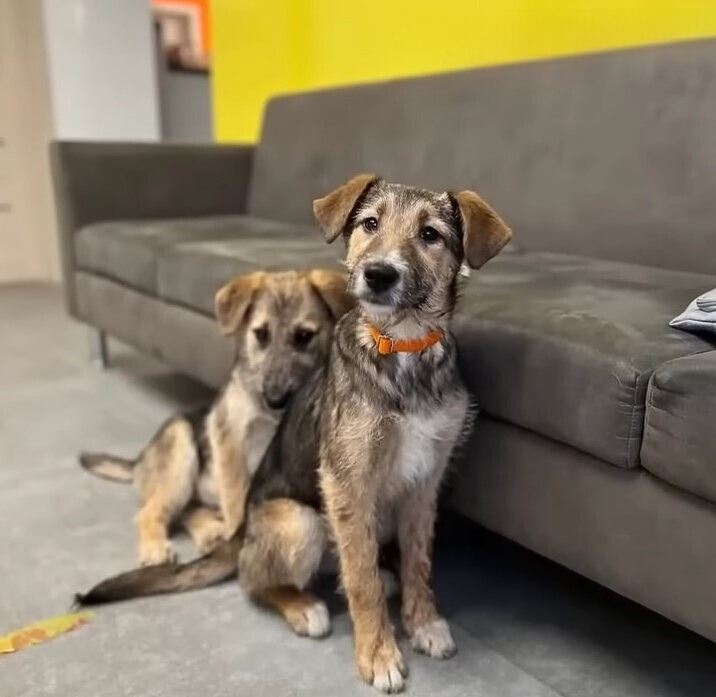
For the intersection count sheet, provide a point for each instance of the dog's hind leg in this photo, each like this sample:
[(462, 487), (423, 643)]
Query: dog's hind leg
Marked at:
[(281, 553), (165, 478), (204, 526)]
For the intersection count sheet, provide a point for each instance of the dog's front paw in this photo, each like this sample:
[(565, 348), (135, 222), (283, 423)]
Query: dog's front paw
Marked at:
[(312, 620), (156, 553), (382, 665), (434, 639), (211, 536)]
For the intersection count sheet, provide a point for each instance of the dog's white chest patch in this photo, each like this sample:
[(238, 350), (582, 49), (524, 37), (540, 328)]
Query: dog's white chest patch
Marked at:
[(422, 436), (252, 427)]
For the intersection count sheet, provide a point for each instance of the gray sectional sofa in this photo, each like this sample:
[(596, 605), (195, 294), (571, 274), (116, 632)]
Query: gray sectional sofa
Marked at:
[(595, 446)]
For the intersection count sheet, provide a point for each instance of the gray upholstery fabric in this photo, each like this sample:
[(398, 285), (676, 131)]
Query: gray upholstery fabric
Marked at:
[(97, 182), (610, 155), (191, 273), (623, 528), (184, 339), (680, 426), (565, 345), (129, 251)]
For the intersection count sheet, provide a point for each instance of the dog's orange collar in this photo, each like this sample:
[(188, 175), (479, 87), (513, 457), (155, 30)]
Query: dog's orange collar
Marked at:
[(386, 345)]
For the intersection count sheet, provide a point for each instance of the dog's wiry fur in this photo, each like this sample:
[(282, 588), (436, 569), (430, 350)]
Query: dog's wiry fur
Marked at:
[(197, 468), (385, 426), (361, 451)]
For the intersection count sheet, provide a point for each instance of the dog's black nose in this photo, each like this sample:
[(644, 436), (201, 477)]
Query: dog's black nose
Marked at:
[(380, 277), (277, 398)]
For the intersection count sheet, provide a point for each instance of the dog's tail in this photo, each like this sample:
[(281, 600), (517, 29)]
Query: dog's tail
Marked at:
[(214, 567), (110, 467)]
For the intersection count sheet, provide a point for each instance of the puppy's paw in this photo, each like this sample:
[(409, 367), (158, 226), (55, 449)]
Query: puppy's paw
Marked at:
[(212, 534), (311, 620), (156, 553), (383, 666), (434, 639)]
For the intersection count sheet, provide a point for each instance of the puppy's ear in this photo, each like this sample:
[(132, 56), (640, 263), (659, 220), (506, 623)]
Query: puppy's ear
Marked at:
[(332, 211), (331, 288), (233, 301), (484, 232)]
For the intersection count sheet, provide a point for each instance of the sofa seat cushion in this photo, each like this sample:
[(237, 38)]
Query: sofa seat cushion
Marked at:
[(565, 345), (129, 251), (191, 272), (680, 424)]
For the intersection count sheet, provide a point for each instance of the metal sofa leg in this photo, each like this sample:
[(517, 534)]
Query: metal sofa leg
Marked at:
[(99, 353)]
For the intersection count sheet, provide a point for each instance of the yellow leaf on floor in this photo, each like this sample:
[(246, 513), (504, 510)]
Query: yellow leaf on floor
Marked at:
[(42, 631)]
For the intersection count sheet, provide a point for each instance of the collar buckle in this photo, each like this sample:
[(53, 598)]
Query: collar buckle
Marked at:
[(384, 345)]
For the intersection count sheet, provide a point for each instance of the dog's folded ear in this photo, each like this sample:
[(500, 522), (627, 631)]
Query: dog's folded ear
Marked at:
[(333, 210), (331, 288), (233, 301), (484, 232)]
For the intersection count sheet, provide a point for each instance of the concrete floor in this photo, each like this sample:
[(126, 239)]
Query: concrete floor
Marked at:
[(525, 627)]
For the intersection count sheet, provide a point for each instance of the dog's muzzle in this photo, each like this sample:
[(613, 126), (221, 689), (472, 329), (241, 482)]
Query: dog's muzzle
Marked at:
[(276, 394), (378, 282), (380, 277)]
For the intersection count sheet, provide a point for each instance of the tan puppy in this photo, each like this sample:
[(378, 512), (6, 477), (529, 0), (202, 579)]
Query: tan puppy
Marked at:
[(197, 468)]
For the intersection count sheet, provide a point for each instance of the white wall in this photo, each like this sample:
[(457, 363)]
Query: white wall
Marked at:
[(102, 69), (28, 242)]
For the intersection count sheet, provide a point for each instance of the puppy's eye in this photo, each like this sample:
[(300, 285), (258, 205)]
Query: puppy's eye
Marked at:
[(262, 335), (429, 235), (370, 224), (302, 337)]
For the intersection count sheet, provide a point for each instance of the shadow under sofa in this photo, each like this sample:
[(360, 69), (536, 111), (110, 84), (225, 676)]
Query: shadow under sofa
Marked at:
[(593, 446)]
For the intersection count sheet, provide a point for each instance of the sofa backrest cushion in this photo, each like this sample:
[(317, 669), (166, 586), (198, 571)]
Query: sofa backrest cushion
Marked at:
[(610, 155)]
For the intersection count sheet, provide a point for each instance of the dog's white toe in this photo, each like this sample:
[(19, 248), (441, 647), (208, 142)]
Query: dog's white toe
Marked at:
[(434, 639), (389, 680), (318, 621)]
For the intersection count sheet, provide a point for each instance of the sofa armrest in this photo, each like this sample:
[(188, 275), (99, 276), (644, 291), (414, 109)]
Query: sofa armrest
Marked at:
[(97, 181)]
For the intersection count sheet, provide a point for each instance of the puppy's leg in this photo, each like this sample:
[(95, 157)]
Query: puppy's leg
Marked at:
[(232, 472), (165, 479), (204, 526), (153, 533), (282, 551), (429, 632), (350, 507), (234, 482)]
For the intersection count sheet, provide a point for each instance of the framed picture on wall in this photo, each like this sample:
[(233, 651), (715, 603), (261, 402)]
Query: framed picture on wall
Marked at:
[(184, 33)]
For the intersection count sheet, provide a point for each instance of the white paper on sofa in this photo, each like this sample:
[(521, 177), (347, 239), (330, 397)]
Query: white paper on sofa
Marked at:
[(699, 316)]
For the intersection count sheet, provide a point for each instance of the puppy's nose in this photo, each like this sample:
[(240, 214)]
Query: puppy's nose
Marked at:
[(276, 397), (380, 276)]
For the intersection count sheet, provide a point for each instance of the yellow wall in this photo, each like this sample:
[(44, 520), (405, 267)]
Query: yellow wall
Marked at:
[(268, 47)]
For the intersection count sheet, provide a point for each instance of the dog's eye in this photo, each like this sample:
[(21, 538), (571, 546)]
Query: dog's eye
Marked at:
[(429, 235), (262, 335), (370, 224), (302, 337)]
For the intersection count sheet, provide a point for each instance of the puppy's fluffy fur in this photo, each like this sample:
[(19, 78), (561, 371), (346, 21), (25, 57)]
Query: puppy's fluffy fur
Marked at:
[(197, 468)]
